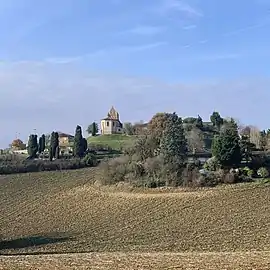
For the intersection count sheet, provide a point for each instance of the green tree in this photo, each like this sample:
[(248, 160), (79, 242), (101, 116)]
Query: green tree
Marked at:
[(54, 144), (41, 144), (199, 122), (84, 145), (32, 147), (80, 144), (92, 129), (173, 145), (226, 146), (246, 148), (216, 119)]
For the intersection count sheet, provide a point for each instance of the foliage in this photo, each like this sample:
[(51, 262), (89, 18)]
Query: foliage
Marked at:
[(41, 143), (248, 172), (195, 139), (157, 125), (226, 146), (18, 144), (212, 164), (80, 144), (216, 119), (92, 129), (263, 172), (173, 142), (90, 159), (246, 148), (199, 122), (145, 147), (54, 145), (32, 147), (190, 120), (27, 166), (129, 129)]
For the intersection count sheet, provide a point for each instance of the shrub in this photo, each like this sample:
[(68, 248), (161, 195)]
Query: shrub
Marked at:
[(247, 172), (230, 178), (209, 180), (90, 160), (27, 166), (115, 170), (263, 172), (211, 164)]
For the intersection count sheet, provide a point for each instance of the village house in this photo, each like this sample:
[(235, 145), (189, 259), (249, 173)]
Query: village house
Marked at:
[(65, 139)]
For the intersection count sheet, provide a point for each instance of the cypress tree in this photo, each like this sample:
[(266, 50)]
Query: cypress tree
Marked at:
[(40, 145), (80, 143), (199, 122), (43, 144), (54, 145), (84, 145), (32, 146), (77, 146)]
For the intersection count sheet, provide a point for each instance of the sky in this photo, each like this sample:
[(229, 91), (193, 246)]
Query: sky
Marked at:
[(66, 62)]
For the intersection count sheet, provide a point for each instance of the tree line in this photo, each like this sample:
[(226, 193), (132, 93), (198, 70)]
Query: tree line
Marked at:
[(37, 146), (161, 155)]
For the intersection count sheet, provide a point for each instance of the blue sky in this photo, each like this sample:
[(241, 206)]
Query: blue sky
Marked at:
[(66, 62)]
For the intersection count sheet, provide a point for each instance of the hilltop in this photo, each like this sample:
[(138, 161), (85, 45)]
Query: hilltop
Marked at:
[(114, 141)]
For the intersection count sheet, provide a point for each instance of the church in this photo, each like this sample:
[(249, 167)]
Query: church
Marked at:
[(111, 124)]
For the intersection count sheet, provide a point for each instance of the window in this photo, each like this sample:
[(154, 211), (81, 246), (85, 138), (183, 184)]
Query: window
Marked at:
[(108, 123), (113, 123)]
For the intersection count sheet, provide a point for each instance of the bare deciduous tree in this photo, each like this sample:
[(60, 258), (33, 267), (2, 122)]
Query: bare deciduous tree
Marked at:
[(195, 139), (255, 136)]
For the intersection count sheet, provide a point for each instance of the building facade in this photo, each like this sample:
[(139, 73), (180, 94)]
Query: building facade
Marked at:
[(65, 139), (111, 124)]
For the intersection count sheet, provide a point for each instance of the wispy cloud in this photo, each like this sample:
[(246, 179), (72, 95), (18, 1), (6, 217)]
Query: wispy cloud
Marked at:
[(190, 27), (260, 24), (218, 57), (141, 47), (182, 7), (113, 51), (145, 30)]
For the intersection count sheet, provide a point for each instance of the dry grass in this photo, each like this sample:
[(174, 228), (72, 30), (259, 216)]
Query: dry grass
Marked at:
[(139, 224)]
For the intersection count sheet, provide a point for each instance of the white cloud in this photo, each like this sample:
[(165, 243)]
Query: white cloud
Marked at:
[(182, 7)]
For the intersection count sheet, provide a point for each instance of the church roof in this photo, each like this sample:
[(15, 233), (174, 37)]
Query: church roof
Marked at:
[(112, 115)]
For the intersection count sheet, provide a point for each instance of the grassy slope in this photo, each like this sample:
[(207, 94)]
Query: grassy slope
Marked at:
[(114, 141)]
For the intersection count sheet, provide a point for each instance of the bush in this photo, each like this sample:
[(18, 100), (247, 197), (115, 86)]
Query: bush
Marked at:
[(115, 170), (90, 160), (209, 180), (263, 172), (230, 178), (212, 164), (246, 171), (27, 166)]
